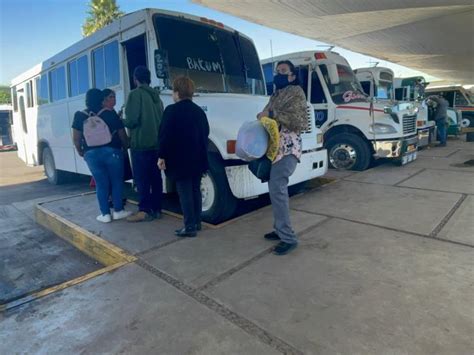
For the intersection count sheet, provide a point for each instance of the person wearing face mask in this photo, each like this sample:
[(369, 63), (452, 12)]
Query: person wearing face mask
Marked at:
[(287, 106), (182, 152)]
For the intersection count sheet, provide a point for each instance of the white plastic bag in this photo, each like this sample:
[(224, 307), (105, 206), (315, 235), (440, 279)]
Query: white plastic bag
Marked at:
[(252, 141)]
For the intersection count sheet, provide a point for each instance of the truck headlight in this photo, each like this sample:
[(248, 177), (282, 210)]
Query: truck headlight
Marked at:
[(319, 138), (387, 109), (381, 128)]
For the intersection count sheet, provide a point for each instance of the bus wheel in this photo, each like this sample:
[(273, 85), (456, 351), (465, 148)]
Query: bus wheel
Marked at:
[(218, 202), (348, 152), (55, 177)]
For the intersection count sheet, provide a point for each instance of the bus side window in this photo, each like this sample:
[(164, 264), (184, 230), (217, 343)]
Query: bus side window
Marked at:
[(14, 99), (303, 78), (459, 99), (268, 74), (317, 92), (366, 86)]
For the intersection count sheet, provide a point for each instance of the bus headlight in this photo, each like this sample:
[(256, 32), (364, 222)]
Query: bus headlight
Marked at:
[(380, 128), (319, 138)]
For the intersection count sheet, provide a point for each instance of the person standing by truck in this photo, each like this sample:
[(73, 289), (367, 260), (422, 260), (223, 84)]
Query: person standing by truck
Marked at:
[(440, 117), (143, 113), (287, 106)]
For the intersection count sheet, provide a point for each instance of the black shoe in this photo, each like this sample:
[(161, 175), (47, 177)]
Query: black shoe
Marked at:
[(284, 248), (198, 227), (271, 236), (189, 233), (156, 215)]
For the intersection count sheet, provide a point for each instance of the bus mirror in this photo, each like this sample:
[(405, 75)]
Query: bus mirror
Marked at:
[(161, 63), (333, 74)]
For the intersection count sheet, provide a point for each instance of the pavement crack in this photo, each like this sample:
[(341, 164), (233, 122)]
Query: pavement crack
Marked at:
[(243, 323), (411, 176), (445, 220)]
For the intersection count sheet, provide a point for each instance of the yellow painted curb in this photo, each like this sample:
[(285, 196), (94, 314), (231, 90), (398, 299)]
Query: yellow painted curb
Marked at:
[(90, 244), (62, 286), (109, 255)]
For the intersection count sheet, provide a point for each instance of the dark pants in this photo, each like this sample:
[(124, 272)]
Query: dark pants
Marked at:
[(442, 127), (147, 178), (189, 191)]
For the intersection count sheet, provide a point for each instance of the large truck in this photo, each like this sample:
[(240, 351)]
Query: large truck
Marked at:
[(356, 129), (230, 88), (381, 81), (461, 100)]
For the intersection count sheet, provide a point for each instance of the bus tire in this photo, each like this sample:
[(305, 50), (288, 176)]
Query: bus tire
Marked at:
[(54, 176), (218, 202), (348, 151)]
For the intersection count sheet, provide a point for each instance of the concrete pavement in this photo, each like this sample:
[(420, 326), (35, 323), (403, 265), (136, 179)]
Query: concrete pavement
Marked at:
[(385, 265)]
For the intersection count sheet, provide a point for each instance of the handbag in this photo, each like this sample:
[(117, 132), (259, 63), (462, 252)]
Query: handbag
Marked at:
[(261, 168)]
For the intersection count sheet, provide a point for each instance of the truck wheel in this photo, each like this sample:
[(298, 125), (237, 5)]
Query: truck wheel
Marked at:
[(348, 151), (55, 177), (218, 202)]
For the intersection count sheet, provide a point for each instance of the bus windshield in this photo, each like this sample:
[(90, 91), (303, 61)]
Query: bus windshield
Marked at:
[(348, 89), (384, 90), (217, 60)]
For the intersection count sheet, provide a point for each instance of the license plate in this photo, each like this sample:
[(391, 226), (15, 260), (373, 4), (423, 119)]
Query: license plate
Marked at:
[(407, 158)]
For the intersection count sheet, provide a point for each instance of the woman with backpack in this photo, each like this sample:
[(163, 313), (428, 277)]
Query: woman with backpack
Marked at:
[(99, 137)]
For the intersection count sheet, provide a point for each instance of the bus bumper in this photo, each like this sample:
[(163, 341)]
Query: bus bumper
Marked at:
[(244, 184), (404, 148)]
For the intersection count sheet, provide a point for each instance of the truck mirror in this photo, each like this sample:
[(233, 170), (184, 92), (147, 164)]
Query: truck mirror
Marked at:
[(161, 63), (333, 74)]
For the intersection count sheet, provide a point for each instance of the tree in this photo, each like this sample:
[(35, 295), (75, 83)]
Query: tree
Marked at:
[(101, 13), (5, 97)]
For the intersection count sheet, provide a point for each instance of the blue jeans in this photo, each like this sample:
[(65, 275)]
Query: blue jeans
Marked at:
[(442, 127), (106, 166), (147, 178)]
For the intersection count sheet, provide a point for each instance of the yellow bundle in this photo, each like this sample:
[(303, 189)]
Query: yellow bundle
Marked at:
[(271, 126)]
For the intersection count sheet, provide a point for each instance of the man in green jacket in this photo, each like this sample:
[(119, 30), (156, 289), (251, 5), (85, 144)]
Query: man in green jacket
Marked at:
[(143, 113)]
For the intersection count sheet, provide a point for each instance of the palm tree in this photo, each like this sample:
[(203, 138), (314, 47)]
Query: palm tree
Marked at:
[(101, 13)]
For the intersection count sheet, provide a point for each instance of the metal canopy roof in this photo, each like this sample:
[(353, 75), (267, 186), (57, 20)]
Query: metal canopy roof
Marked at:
[(433, 36)]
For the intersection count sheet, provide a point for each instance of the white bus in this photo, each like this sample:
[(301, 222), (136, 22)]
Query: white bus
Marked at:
[(229, 87), (382, 83)]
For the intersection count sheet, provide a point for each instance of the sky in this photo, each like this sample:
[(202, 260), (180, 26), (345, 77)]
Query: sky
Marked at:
[(33, 30)]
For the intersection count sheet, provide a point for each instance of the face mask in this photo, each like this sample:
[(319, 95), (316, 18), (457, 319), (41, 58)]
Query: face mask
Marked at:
[(280, 81)]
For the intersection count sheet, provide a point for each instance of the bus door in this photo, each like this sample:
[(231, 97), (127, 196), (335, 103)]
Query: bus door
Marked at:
[(319, 100), (135, 50)]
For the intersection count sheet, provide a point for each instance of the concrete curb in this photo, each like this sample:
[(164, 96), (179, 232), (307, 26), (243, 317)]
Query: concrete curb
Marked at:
[(109, 255)]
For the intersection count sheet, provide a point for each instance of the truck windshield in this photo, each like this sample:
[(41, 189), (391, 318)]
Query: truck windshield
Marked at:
[(348, 89), (217, 60)]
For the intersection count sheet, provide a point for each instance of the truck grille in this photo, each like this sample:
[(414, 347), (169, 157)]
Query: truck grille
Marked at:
[(409, 124)]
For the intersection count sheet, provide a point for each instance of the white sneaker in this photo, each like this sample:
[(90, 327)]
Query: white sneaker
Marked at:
[(121, 214), (104, 218)]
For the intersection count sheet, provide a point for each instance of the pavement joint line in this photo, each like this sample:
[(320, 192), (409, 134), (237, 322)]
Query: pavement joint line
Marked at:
[(157, 247), (241, 322), (389, 228), (411, 187), (408, 178), (446, 218), (222, 277), (451, 154)]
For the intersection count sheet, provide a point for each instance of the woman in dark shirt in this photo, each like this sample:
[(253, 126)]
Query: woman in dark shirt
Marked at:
[(182, 152), (106, 161)]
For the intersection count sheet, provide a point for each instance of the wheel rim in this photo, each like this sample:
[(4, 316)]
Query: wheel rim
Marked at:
[(208, 192), (343, 156), (49, 166)]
